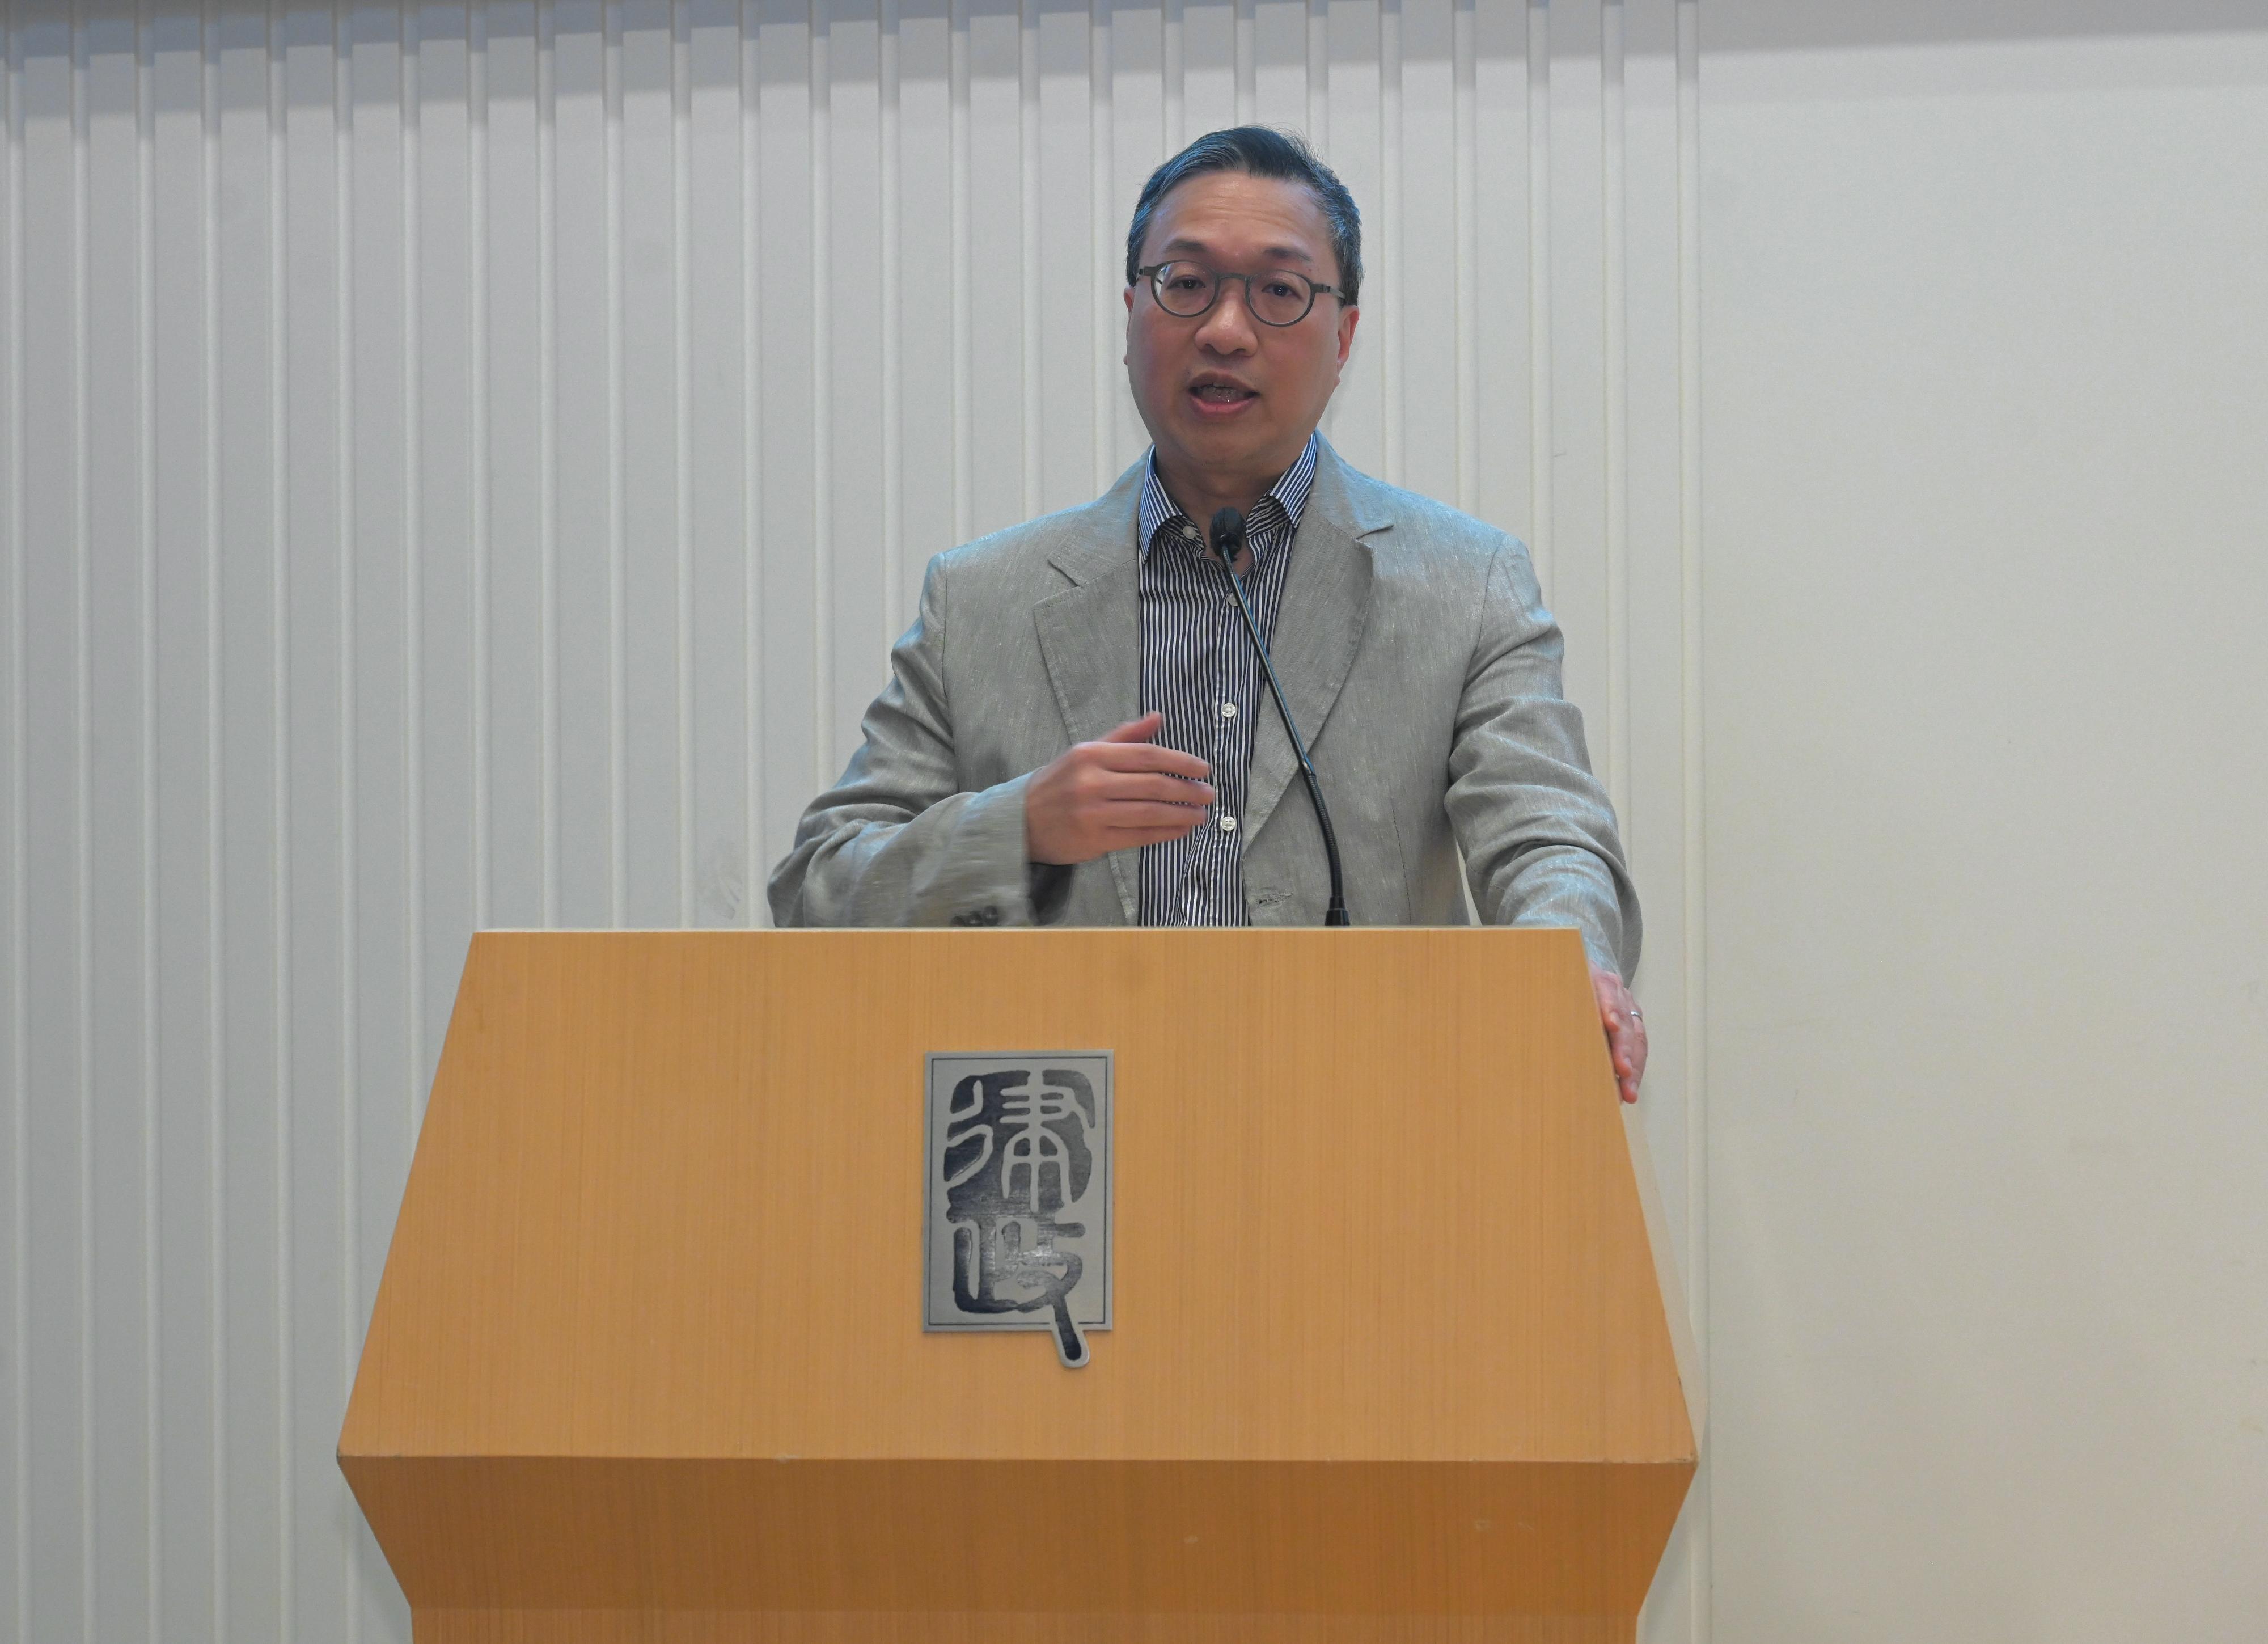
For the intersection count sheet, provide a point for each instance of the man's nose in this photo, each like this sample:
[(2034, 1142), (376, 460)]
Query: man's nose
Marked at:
[(1228, 327)]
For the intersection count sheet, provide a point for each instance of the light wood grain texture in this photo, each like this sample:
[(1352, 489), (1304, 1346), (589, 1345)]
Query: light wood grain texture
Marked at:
[(1389, 1341), (741, 1627)]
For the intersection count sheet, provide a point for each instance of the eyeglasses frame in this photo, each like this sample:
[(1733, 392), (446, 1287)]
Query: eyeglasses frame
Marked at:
[(1220, 279)]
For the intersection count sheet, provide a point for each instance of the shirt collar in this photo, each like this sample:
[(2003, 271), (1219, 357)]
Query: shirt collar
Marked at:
[(1288, 495)]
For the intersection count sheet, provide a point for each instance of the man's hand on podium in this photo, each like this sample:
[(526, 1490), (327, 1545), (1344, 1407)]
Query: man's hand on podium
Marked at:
[(1110, 795), (1625, 1029)]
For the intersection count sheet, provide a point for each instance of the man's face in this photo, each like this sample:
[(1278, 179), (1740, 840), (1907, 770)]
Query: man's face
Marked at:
[(1229, 401)]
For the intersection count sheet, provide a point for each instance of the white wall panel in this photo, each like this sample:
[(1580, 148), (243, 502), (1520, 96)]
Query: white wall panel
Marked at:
[(464, 465), (1985, 343)]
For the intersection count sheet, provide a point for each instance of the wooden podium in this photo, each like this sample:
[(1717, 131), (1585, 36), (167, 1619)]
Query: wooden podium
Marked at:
[(1396, 1346)]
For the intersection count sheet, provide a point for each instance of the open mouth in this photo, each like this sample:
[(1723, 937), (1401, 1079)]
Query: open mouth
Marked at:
[(1222, 395)]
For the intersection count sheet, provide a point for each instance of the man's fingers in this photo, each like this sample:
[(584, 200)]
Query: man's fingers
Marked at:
[(1150, 757), (1118, 787), (1630, 1050), (1141, 730), (1622, 1040), (1625, 1031)]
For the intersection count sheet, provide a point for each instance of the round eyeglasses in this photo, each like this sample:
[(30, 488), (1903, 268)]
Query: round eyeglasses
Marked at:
[(1275, 297)]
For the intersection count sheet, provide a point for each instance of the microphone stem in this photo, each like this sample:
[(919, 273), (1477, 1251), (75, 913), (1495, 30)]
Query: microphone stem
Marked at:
[(1337, 914)]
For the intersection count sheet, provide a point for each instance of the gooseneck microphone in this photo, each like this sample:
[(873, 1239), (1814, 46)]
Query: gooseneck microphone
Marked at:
[(1229, 542)]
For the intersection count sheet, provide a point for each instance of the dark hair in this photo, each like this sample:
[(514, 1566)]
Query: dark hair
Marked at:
[(1260, 151)]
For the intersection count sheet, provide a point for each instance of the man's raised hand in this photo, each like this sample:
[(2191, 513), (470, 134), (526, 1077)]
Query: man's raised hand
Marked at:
[(1113, 794)]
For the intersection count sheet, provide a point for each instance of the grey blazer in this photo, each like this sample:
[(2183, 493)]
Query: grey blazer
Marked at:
[(1419, 661)]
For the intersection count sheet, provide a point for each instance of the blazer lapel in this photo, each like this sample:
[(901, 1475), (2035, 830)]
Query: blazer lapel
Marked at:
[(1090, 634), (1318, 628)]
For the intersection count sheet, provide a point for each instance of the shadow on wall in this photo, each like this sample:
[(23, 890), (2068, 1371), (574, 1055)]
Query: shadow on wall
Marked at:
[(1804, 24)]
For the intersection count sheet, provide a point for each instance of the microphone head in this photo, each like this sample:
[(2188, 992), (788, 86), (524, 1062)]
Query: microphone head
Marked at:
[(1228, 535)]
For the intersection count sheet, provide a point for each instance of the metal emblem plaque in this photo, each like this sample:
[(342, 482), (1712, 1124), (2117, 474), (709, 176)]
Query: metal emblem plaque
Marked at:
[(1016, 1222)]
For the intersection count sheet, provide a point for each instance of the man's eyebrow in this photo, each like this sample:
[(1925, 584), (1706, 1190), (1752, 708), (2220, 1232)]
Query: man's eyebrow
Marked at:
[(1291, 253)]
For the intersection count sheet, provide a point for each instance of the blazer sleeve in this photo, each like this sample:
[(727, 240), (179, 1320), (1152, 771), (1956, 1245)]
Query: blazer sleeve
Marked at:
[(1536, 827), (896, 841)]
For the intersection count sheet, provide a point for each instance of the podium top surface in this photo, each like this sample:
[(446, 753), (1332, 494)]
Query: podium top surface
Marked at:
[(1374, 1201)]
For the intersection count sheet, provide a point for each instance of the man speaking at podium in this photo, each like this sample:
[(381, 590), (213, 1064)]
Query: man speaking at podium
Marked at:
[(1078, 728)]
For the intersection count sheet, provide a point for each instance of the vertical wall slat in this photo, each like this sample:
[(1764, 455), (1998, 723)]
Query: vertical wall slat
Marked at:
[(319, 317), (427, 450), (715, 468), (1357, 151), (616, 605), (788, 458), (925, 329), (890, 325), (1105, 270), (680, 263), (1391, 298), (1504, 429), (1209, 65), (19, 783), (215, 947), (241, 343), (505, 378), (1542, 431), (1469, 282), (853, 552), (963, 405), (153, 1013), (817, 111), (279, 776), (578, 481), (1027, 245), (1693, 863), (348, 799), (82, 541), (1426, 245), (479, 525), (858, 370), (1278, 75), (1574, 381), (1059, 189), (1173, 74), (105, 445), (1614, 387), (649, 539), (118, 830), (546, 414), (1137, 144), (44, 510), (1319, 73), (1247, 64), (998, 334), (751, 465)]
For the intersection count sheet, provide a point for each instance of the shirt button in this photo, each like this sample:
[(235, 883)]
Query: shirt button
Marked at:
[(1228, 824), (1228, 710)]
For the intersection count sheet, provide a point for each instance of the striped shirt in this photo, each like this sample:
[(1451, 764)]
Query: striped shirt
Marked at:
[(1200, 671)]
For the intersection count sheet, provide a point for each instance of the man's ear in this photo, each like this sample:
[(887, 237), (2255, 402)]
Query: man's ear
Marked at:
[(1348, 315)]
